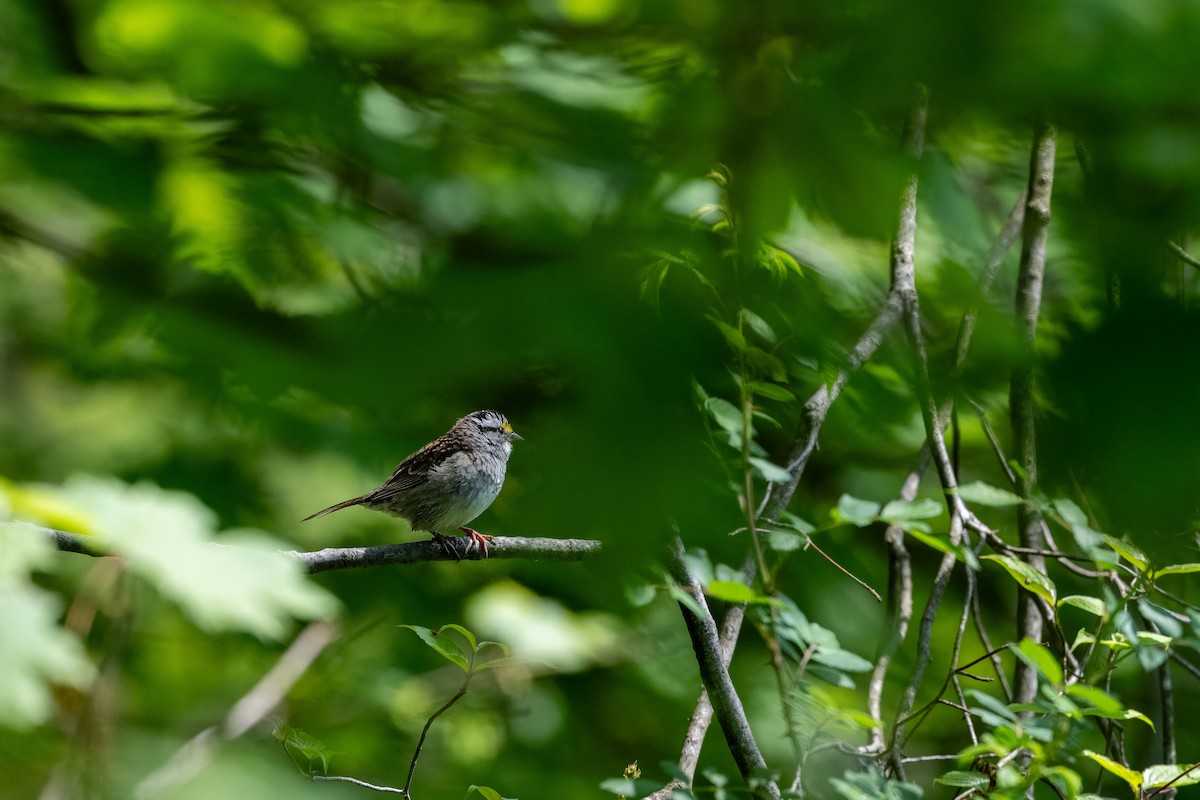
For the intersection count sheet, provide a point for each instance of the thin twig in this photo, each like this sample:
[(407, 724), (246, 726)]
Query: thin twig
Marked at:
[(899, 604), (357, 782), (412, 766), (924, 640), (270, 690), (1184, 255), (852, 576)]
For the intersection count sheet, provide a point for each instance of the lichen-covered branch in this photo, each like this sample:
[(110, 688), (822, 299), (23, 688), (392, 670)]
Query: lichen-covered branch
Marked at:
[(333, 558)]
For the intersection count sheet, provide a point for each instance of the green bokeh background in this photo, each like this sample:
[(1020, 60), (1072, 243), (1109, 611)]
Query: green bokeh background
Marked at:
[(259, 252)]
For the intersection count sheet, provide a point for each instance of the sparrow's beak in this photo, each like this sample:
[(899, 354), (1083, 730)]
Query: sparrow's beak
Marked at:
[(514, 436)]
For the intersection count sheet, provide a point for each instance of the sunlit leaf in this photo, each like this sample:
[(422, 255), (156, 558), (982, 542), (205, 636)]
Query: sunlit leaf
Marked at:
[(1129, 551), (769, 471), (241, 580), (1092, 605), (1134, 779), (1028, 577), (37, 653), (1174, 774), (1177, 569), (1039, 657), (446, 646), (734, 592), (487, 792), (964, 780)]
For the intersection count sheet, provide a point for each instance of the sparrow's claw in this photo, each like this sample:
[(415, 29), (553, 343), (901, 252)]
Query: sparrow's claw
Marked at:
[(481, 539), (447, 544)]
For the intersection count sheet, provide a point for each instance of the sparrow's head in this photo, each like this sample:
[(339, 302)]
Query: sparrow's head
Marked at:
[(491, 425)]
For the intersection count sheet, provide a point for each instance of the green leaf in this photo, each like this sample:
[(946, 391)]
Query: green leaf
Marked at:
[(1040, 658), (640, 594), (239, 581), (784, 541), (1037, 582), (1129, 551), (652, 281), (305, 744), (763, 363), (497, 663), (685, 599), (964, 780), (1162, 774), (844, 660), (872, 785), (447, 647), (1160, 618), (1077, 521), (758, 325), (1092, 605), (466, 634), (943, 545), (771, 472), (1150, 637), (790, 520), (725, 414), (1104, 704), (1131, 714), (734, 592), (1177, 569), (990, 710), (37, 652), (732, 335), (630, 787), (674, 772), (25, 550), (770, 391), (855, 511), (487, 792), (900, 510), (981, 494), (1134, 779)]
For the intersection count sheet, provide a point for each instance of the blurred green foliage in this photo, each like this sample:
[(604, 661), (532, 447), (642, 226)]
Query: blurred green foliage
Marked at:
[(255, 253)]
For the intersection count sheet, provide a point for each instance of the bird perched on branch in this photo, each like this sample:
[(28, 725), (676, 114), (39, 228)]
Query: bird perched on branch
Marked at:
[(448, 482)]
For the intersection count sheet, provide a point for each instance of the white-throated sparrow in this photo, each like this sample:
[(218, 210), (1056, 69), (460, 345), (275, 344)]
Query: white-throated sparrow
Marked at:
[(448, 482)]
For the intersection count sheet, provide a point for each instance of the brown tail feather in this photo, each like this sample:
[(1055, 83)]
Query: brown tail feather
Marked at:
[(353, 501)]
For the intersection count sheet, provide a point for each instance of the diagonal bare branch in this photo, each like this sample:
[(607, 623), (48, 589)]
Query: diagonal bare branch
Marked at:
[(727, 706)]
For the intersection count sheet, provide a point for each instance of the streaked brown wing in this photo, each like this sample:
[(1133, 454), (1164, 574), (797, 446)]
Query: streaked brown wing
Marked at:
[(414, 470)]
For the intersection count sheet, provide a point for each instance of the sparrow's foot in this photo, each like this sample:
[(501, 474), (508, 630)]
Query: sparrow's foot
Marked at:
[(448, 545), (481, 539)]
